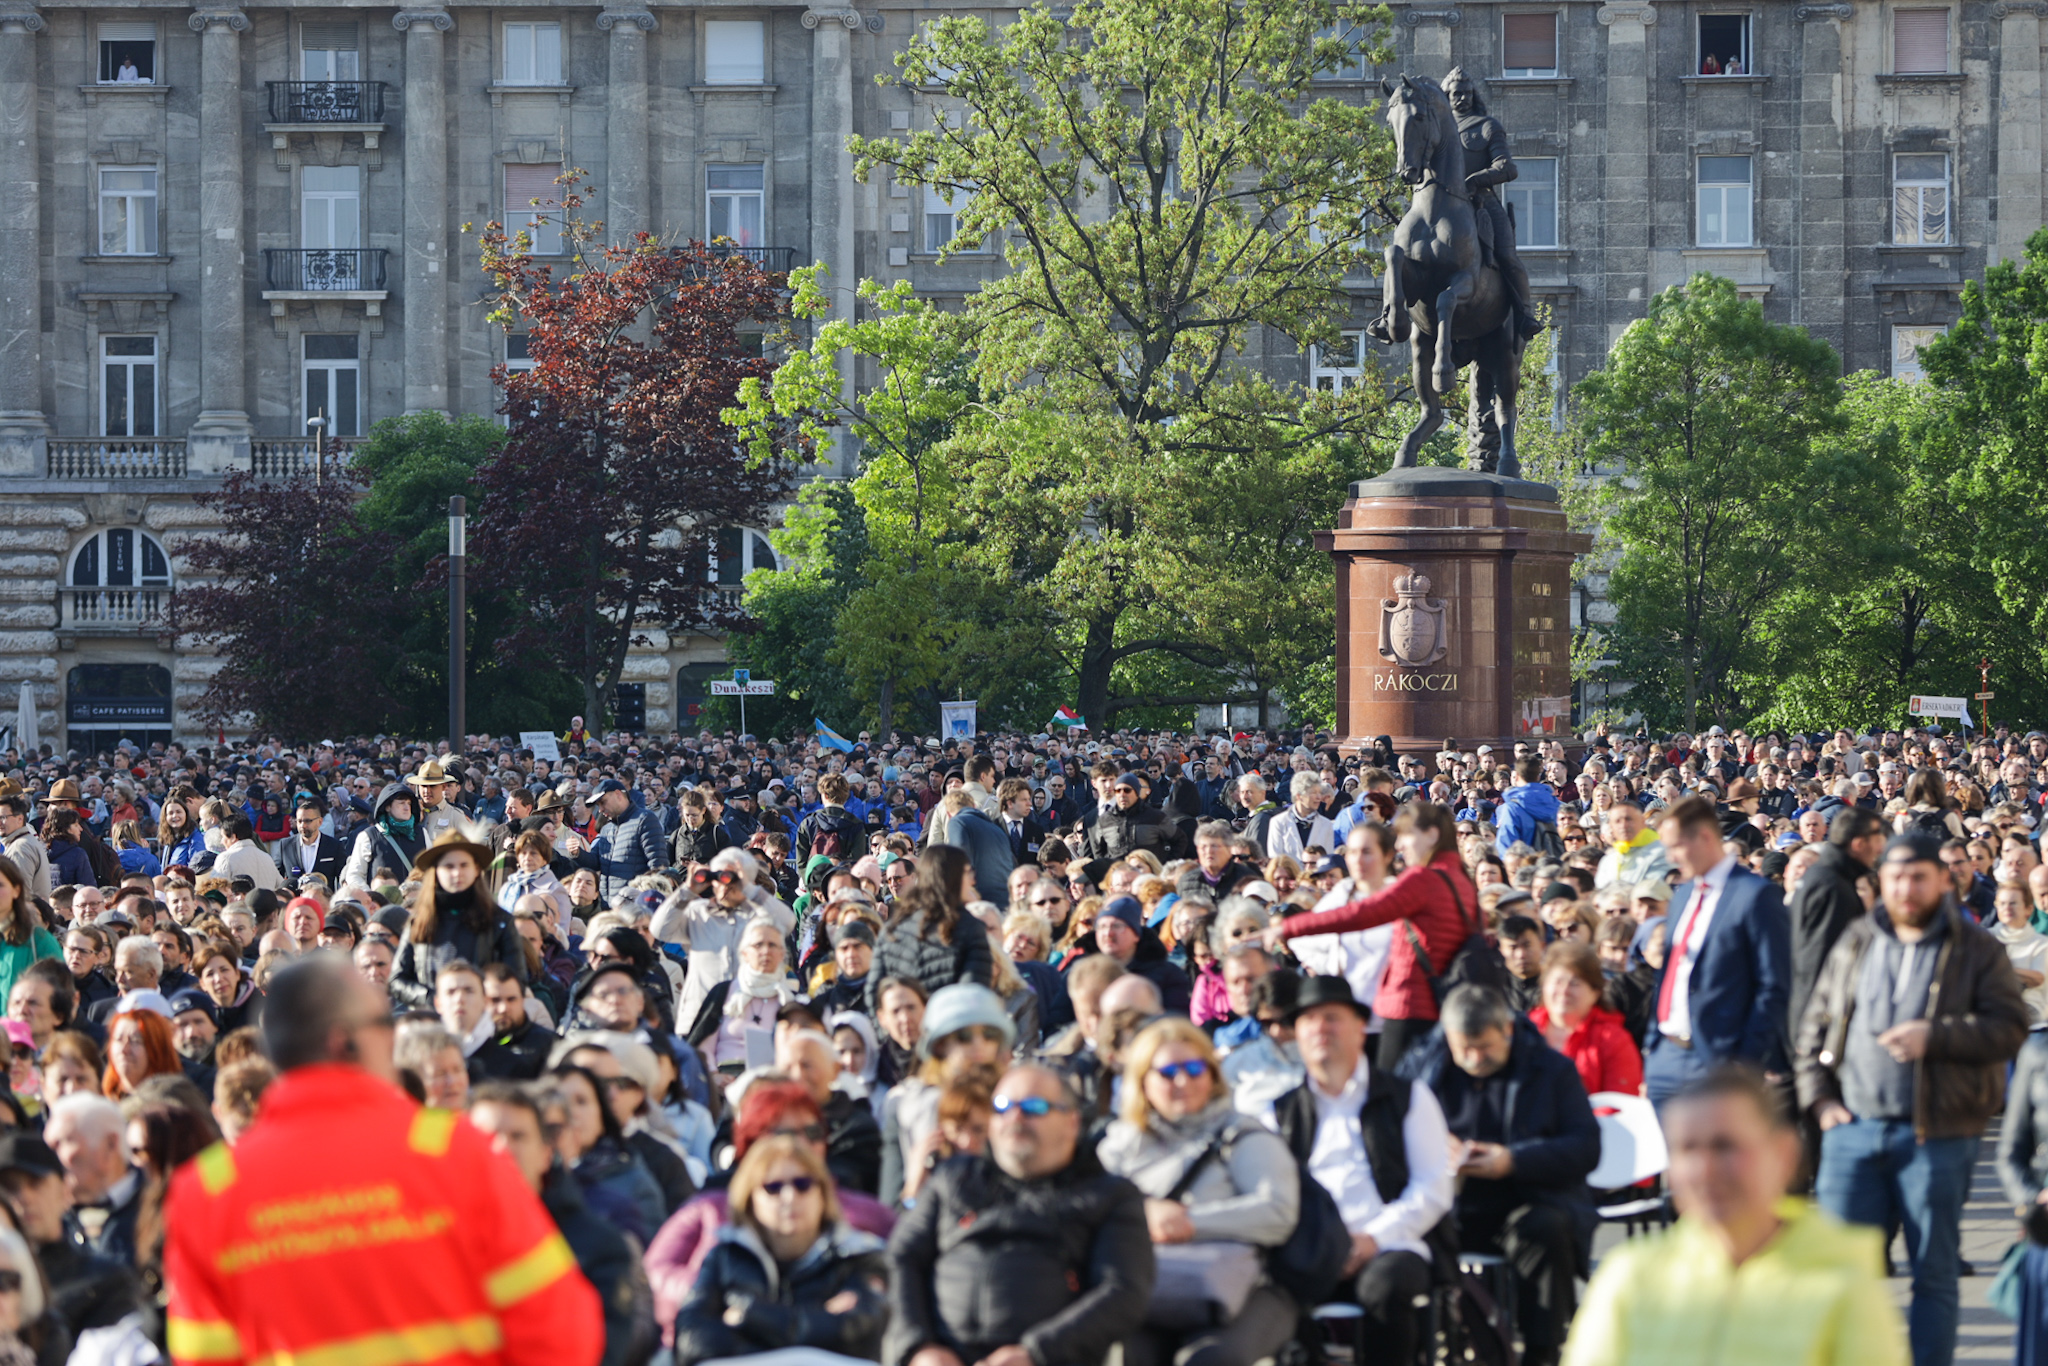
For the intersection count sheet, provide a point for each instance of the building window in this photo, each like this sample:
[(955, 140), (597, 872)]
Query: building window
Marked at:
[(1906, 344), (327, 52), (533, 54), (740, 552), (1533, 197), (1920, 199), (128, 381), (127, 212), (735, 52), (1340, 367), (333, 384), (734, 199), (1351, 66), (1919, 40), (127, 53), (1724, 45), (517, 355), (943, 210), (533, 205), (1528, 45), (1725, 198), (120, 558), (330, 207)]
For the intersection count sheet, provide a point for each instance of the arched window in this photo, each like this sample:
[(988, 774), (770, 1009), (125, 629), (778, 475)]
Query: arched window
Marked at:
[(118, 576), (740, 551)]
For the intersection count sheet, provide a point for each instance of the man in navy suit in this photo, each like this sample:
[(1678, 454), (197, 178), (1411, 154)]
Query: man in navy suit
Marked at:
[(1727, 978)]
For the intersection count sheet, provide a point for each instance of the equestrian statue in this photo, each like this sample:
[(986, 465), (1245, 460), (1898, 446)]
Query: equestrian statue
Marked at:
[(1455, 289)]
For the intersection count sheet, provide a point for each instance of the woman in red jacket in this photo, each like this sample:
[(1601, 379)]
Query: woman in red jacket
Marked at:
[(1439, 906), (1574, 1022)]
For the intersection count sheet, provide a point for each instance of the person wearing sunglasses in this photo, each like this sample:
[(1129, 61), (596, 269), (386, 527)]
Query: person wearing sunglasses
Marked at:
[(708, 917), (788, 1271), (1209, 1175), (1045, 1259)]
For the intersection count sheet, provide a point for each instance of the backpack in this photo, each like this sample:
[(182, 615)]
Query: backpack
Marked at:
[(1545, 840), (1308, 1264), (1476, 963)]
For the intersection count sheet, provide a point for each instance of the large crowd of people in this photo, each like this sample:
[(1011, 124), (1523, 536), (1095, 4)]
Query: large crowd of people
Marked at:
[(1011, 1050)]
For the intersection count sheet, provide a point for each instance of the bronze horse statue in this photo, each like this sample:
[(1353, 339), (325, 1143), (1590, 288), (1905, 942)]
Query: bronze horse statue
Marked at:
[(1441, 295)]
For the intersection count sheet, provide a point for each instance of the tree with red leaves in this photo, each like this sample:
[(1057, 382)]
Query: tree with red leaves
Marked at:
[(293, 596), (602, 512)]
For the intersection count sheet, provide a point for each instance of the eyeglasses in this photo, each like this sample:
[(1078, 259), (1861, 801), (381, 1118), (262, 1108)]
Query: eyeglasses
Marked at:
[(10, 1282), (1190, 1068), (1032, 1107), (800, 1185)]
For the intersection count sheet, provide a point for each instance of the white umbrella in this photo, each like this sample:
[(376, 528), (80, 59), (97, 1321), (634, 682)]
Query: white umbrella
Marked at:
[(25, 736)]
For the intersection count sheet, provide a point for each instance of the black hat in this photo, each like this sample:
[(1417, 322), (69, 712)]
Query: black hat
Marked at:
[(603, 968), (1129, 780), (856, 930), (1560, 891), (1325, 991), (23, 1152), (192, 998)]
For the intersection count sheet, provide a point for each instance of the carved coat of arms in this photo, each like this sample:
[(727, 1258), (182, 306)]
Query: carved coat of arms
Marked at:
[(1413, 633)]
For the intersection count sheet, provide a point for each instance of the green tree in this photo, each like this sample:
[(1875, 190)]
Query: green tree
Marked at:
[(1168, 193), (1990, 369), (413, 465), (1725, 495)]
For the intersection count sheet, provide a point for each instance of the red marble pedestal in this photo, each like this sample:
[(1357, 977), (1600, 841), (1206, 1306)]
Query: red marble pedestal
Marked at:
[(1480, 653)]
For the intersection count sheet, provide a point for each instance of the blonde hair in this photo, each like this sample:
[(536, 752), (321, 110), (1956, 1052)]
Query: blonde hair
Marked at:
[(763, 1156), (1141, 1050), (1004, 979), (1031, 923), (1145, 859)]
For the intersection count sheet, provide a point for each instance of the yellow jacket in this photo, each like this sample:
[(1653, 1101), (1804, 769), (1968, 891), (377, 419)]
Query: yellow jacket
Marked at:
[(1814, 1296)]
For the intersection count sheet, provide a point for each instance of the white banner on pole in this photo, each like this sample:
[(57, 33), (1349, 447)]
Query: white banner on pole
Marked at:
[(542, 743), (956, 720), (1957, 707)]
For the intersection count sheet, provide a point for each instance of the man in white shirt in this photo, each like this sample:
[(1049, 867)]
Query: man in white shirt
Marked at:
[(1380, 1147)]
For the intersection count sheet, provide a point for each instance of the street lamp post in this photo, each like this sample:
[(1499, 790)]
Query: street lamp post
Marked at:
[(318, 422), (458, 556)]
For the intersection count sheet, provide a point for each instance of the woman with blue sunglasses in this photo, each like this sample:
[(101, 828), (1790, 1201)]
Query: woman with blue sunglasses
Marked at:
[(1210, 1176)]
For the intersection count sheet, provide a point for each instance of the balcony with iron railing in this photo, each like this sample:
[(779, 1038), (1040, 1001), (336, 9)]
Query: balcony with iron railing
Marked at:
[(117, 457), (777, 259), (323, 270), (326, 102)]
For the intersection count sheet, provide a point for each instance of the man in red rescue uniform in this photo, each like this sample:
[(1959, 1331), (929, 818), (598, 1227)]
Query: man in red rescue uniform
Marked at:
[(350, 1225)]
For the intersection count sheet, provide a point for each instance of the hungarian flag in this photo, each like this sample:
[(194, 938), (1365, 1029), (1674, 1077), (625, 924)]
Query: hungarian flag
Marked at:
[(1067, 716)]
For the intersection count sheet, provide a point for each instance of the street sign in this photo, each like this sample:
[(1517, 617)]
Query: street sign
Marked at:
[(1986, 696), (742, 688)]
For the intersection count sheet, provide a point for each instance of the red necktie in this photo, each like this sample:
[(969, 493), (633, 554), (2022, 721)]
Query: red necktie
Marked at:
[(1675, 963)]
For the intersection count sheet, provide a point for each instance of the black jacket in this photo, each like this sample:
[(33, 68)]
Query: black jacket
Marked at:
[(853, 1143), (903, 952), (116, 1239), (1236, 874), (86, 1290), (519, 1054), (785, 1307), (611, 1263), (1151, 962), (1061, 1266), (669, 1170), (697, 846), (1822, 906), (329, 857), (412, 976), (1117, 833), (1548, 1123)]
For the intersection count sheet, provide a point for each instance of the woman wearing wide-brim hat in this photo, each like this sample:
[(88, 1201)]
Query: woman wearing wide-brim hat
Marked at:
[(454, 917)]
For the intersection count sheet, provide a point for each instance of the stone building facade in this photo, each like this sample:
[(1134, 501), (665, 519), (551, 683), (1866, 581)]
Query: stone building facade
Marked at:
[(218, 222)]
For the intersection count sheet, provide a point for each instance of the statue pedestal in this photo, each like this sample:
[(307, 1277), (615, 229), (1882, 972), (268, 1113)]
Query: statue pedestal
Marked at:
[(1482, 653)]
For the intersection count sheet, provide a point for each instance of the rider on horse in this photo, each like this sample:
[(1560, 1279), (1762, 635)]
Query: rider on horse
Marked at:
[(1489, 163)]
